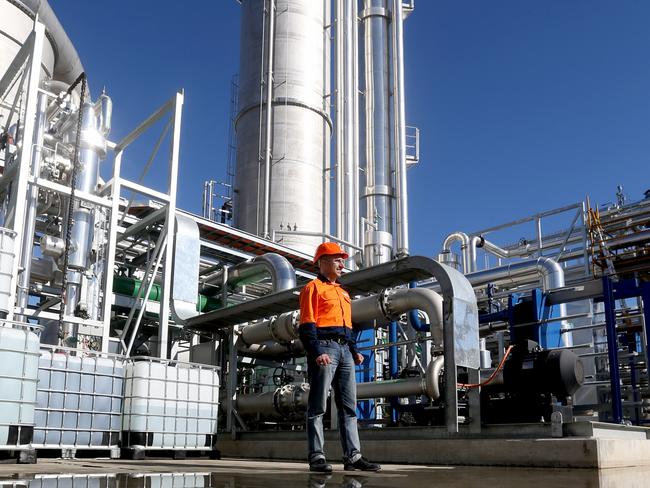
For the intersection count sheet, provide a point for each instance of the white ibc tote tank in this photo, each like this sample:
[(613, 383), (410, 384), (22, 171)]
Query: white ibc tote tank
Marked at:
[(169, 405), (19, 352), (79, 399)]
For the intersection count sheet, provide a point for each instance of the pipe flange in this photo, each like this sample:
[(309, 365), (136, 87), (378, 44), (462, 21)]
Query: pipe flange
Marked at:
[(270, 324), (385, 304)]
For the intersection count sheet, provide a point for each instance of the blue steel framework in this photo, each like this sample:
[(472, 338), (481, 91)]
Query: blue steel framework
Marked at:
[(614, 291)]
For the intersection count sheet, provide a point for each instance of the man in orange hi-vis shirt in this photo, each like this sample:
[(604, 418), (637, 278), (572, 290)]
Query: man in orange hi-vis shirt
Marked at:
[(326, 332)]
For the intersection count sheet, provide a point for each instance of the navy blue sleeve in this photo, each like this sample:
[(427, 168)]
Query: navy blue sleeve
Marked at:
[(307, 334)]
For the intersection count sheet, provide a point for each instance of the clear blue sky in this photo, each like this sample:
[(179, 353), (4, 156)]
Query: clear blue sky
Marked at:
[(523, 106)]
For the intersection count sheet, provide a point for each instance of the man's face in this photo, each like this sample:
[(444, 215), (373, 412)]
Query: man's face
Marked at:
[(332, 266)]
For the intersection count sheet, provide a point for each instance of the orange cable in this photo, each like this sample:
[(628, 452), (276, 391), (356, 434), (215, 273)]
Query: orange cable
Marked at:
[(492, 376)]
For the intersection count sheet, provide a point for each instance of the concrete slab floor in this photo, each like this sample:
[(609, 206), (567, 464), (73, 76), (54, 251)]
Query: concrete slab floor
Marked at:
[(233, 473)]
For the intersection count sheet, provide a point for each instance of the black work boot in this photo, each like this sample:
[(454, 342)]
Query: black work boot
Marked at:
[(320, 466), (362, 464)]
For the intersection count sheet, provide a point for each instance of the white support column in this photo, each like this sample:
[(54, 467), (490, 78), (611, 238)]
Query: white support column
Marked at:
[(110, 250), (18, 196), (163, 328)]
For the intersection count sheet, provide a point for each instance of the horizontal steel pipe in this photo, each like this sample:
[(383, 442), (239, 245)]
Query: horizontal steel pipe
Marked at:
[(280, 270), (283, 328), (389, 304), (292, 399), (272, 350)]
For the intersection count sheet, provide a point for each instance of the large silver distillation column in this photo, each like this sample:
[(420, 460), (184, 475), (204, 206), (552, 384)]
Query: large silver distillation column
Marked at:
[(283, 126)]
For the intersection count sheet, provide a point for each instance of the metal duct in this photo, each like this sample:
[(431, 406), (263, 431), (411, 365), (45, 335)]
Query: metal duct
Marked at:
[(185, 271), (282, 273), (550, 272), (301, 127), (67, 65), (390, 304)]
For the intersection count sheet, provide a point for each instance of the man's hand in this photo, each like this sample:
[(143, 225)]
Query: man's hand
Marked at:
[(358, 359), (323, 360)]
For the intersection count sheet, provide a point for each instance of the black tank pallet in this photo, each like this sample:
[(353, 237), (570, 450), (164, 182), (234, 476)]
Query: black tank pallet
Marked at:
[(95, 452), (24, 456)]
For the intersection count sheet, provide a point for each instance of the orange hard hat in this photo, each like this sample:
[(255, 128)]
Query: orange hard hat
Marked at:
[(328, 249)]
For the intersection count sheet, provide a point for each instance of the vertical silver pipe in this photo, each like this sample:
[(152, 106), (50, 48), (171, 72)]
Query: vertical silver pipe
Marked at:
[(349, 159), (269, 112), (32, 204), (340, 124), (327, 102), (402, 223), (378, 190), (355, 120)]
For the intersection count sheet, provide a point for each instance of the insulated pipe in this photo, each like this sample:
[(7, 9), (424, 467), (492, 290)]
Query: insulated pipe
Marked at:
[(284, 402), (389, 304), (414, 315), (399, 133), (268, 123), (340, 119), (291, 399), (354, 21), (271, 350), (378, 192), (282, 273), (346, 160), (549, 270), (283, 328), (385, 306), (351, 161)]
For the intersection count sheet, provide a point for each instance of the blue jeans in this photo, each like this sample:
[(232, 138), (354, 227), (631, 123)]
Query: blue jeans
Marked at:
[(340, 375)]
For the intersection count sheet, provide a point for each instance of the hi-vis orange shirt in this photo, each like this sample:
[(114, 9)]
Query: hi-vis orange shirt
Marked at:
[(325, 304)]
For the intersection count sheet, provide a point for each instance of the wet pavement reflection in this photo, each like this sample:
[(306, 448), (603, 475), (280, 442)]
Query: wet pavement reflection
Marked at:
[(403, 476)]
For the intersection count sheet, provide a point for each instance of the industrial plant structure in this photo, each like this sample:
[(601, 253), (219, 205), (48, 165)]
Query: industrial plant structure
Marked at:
[(130, 325)]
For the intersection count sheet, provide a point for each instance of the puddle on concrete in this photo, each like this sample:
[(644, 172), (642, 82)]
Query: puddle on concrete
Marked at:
[(390, 478)]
